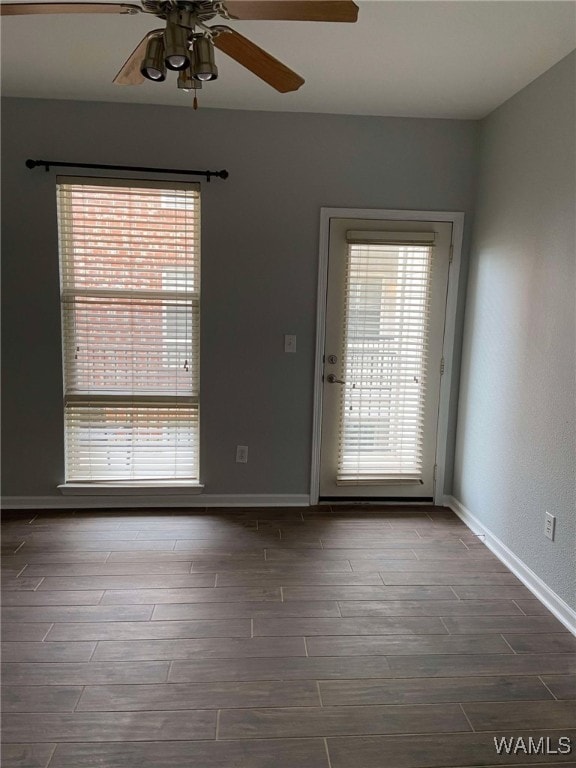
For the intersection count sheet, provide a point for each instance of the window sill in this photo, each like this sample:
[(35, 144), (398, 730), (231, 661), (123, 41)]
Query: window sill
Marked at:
[(168, 488)]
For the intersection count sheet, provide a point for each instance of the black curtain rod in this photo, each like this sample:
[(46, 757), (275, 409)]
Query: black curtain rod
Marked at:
[(49, 163)]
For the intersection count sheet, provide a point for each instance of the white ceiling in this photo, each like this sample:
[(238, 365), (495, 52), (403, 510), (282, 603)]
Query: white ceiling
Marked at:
[(459, 59)]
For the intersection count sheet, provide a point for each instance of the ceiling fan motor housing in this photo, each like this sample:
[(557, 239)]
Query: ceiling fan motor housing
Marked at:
[(188, 12)]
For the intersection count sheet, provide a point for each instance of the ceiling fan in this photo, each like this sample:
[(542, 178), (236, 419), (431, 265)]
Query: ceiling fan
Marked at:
[(186, 42)]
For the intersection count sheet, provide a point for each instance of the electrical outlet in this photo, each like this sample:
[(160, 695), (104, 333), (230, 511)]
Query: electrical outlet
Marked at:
[(289, 343), (549, 526), (241, 454)]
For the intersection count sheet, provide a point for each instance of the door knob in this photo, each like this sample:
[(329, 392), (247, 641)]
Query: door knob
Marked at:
[(331, 378)]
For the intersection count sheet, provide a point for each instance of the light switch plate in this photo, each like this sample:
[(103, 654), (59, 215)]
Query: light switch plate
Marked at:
[(549, 526), (289, 343)]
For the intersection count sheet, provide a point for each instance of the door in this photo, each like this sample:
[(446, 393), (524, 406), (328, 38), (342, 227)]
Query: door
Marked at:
[(386, 305)]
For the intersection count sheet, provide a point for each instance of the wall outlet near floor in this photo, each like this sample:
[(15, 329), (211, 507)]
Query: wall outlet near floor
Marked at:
[(241, 454), (549, 526)]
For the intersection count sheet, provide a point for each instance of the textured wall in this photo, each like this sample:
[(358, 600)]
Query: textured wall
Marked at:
[(516, 453), (260, 256)]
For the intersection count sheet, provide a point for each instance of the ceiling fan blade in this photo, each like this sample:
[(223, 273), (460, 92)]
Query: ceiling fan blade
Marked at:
[(293, 10), (28, 9), (259, 62), (130, 73)]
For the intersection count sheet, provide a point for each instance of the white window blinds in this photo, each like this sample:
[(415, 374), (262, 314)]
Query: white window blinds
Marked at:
[(130, 289), (387, 297)]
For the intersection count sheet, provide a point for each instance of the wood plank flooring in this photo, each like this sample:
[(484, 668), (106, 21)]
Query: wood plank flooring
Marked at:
[(340, 637)]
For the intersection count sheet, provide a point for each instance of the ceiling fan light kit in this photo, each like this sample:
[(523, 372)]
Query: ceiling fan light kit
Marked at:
[(186, 82), (204, 67), (153, 65), (186, 44), (176, 46)]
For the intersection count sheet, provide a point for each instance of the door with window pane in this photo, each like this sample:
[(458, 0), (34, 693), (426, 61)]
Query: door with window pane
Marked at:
[(386, 302)]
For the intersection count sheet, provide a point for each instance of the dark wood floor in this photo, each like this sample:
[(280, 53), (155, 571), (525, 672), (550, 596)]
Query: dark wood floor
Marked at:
[(272, 639)]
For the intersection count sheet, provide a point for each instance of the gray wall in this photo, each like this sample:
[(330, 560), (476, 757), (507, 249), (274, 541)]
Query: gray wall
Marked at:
[(516, 454), (260, 255)]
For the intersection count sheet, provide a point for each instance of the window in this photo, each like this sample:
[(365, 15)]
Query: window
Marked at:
[(130, 290)]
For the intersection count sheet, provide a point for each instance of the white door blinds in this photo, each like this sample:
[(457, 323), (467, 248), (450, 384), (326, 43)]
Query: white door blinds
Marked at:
[(387, 298)]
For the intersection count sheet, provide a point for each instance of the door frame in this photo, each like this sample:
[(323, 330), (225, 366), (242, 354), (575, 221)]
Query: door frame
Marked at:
[(456, 218)]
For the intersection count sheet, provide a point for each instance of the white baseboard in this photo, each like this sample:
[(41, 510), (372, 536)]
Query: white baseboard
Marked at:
[(157, 500), (531, 580)]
